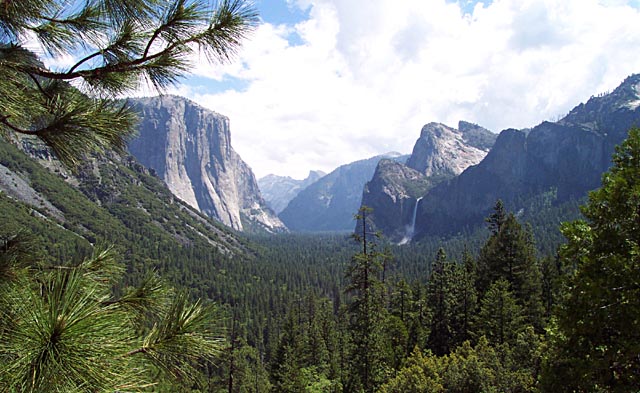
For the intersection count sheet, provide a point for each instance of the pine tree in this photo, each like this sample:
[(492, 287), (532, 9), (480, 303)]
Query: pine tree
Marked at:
[(117, 46), (367, 311), (510, 254), (497, 218), (465, 299), (500, 318), (598, 334), (440, 299)]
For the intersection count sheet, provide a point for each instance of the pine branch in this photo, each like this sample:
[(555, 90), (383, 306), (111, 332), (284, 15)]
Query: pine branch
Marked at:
[(219, 41), (4, 120)]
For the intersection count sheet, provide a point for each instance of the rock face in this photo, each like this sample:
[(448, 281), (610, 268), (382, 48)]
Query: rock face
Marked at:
[(440, 153), (189, 147), (565, 159), (278, 191), (443, 151), (392, 194), (330, 203)]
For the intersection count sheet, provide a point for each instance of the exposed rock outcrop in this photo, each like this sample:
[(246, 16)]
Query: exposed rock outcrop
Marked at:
[(440, 153), (190, 149), (392, 194)]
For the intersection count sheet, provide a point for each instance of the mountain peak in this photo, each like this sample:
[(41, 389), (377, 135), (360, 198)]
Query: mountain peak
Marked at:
[(601, 108), (445, 151), (560, 160), (313, 176)]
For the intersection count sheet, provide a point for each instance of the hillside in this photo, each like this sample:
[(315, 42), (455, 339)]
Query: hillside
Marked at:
[(111, 201)]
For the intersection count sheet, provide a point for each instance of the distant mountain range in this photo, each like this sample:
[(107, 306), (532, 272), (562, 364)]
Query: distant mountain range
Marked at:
[(456, 174), (330, 203), (446, 186), (278, 191)]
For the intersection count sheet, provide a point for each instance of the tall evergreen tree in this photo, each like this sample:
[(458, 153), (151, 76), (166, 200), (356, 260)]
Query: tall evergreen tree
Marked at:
[(500, 317), (465, 299), (598, 335), (440, 299), (510, 254), (367, 311), (497, 218)]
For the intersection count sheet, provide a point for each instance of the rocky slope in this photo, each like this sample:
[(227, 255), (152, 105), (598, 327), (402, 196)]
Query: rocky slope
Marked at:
[(393, 193), (330, 203), (189, 147), (112, 200), (560, 161), (440, 153), (278, 191)]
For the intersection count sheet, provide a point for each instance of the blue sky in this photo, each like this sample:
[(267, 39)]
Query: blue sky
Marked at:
[(280, 11), (322, 83)]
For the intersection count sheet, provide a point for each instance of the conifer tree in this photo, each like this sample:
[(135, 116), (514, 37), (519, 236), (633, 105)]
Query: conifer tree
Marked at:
[(440, 300), (500, 317), (367, 310), (598, 333), (465, 299), (497, 218), (510, 254)]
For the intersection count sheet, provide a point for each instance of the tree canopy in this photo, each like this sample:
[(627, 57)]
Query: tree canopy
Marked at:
[(598, 335)]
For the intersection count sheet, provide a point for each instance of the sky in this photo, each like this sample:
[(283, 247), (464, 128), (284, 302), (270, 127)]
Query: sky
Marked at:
[(322, 83)]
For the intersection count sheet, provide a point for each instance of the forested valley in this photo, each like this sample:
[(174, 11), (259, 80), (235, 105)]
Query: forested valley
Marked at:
[(489, 310), (110, 283)]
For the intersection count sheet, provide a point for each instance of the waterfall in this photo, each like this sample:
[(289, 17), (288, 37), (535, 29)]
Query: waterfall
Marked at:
[(411, 229)]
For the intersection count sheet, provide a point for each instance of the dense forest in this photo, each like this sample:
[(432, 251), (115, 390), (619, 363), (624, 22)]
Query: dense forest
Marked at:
[(485, 311)]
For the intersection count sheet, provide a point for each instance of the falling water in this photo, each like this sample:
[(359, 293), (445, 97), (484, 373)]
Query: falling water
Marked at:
[(411, 229)]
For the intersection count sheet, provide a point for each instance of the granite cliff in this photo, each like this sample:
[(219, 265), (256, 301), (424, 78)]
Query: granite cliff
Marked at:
[(189, 147)]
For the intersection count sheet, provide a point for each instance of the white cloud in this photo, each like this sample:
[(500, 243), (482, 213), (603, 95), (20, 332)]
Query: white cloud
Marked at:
[(369, 74)]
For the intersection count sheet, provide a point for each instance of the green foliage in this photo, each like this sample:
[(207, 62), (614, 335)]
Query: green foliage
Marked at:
[(420, 374), (440, 299), (480, 368), (596, 338), (367, 313), (63, 330), (510, 254), (500, 318)]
